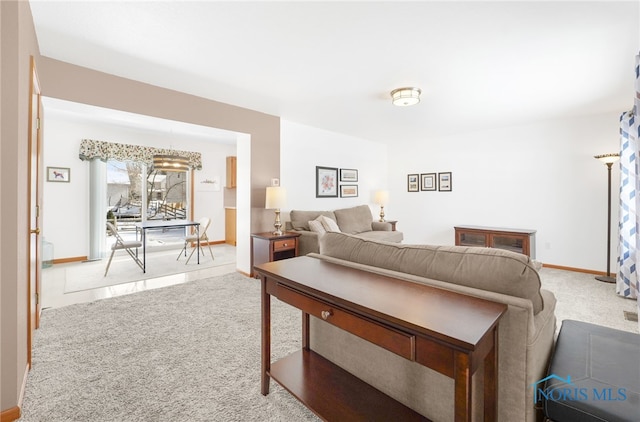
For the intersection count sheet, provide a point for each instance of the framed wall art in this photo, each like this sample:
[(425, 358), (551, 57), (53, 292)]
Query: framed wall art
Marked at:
[(428, 181), (444, 182), (413, 183), (326, 182), (348, 191), (348, 175), (58, 174)]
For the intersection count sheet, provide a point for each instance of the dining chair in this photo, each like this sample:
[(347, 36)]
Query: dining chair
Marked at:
[(121, 244), (204, 224)]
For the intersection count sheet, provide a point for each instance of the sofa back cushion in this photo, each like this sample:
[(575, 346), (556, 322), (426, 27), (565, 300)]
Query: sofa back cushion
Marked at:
[(354, 220), (488, 269), (300, 219)]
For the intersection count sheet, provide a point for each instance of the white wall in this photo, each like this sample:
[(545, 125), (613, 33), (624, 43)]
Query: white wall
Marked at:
[(541, 177), (66, 205), (302, 148), (243, 200)]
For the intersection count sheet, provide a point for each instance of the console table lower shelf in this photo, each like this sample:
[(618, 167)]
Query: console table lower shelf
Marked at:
[(333, 393), (387, 317)]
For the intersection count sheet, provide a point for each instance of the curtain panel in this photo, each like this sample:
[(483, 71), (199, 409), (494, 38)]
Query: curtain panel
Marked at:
[(91, 149), (627, 277), (627, 280)]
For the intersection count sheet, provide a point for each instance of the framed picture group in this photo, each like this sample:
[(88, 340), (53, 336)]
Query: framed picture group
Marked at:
[(332, 182), (429, 182)]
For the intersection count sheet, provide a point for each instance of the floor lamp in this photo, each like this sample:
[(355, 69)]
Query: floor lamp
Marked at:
[(608, 159)]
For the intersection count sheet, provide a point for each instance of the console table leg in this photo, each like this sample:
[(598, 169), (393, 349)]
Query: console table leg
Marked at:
[(305, 331), (265, 360), (491, 380), (462, 386)]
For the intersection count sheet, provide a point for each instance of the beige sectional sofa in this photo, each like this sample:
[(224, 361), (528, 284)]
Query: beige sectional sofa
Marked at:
[(355, 220), (526, 331)]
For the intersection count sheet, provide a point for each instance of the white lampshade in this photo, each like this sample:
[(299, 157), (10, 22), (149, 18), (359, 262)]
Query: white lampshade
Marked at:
[(608, 158), (276, 197), (381, 197)]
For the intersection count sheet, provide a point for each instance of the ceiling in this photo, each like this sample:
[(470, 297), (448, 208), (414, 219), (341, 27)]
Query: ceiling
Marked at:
[(332, 64)]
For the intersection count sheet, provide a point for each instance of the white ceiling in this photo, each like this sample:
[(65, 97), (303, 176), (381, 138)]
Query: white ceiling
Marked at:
[(332, 64)]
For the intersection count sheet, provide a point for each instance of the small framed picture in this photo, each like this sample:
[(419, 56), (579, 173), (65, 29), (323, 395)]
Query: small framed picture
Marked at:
[(413, 183), (444, 182), (428, 181), (348, 191), (348, 175), (58, 174), (326, 182)]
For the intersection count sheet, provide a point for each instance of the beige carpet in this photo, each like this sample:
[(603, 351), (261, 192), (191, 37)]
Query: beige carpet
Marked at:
[(183, 353), (123, 269), (583, 298)]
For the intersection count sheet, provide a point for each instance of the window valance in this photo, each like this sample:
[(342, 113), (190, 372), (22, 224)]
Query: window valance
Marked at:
[(90, 149)]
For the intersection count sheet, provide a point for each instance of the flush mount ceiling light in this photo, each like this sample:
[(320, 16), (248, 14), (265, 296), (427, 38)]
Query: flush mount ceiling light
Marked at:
[(403, 97), (170, 163)]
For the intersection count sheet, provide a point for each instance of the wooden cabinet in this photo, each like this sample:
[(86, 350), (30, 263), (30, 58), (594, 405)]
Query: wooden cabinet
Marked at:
[(230, 226), (231, 172), (517, 240), (267, 247)]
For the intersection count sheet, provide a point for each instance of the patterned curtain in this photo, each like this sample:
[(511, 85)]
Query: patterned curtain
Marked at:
[(90, 149), (627, 277), (627, 280)]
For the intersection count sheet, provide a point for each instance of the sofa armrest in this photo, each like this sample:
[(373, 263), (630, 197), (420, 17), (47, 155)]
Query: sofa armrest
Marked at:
[(307, 242), (381, 226)]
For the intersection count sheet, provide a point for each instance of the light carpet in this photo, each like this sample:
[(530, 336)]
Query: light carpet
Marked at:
[(90, 275), (189, 352), (583, 298)]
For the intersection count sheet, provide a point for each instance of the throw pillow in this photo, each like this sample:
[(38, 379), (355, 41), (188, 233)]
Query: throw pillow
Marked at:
[(317, 227), (330, 225)]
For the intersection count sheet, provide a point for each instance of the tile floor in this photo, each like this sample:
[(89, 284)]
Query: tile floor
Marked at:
[(53, 284)]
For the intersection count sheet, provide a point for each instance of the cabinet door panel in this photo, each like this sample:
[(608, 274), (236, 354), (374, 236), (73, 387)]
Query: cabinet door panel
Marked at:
[(510, 243), (473, 239)]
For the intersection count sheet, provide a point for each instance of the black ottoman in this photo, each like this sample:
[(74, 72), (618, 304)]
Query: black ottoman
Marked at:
[(594, 375)]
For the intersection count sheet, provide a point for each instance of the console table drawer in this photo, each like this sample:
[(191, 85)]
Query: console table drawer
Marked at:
[(435, 356), (284, 245), (395, 341)]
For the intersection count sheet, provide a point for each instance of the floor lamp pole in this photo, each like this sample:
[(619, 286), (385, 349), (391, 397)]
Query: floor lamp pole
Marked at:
[(608, 278)]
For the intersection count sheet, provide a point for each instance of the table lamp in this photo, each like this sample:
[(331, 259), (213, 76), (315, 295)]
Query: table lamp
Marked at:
[(276, 198), (381, 198)]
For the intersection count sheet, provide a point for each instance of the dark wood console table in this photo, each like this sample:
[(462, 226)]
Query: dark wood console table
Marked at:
[(443, 330)]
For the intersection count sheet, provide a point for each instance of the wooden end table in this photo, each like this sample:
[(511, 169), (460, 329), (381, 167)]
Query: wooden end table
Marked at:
[(268, 247)]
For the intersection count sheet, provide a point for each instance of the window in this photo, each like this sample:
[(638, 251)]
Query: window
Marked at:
[(132, 187)]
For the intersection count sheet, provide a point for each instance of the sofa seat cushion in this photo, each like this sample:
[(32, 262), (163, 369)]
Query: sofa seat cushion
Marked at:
[(488, 269), (387, 236), (354, 220)]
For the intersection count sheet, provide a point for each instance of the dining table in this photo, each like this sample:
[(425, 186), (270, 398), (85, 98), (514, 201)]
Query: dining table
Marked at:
[(144, 226)]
